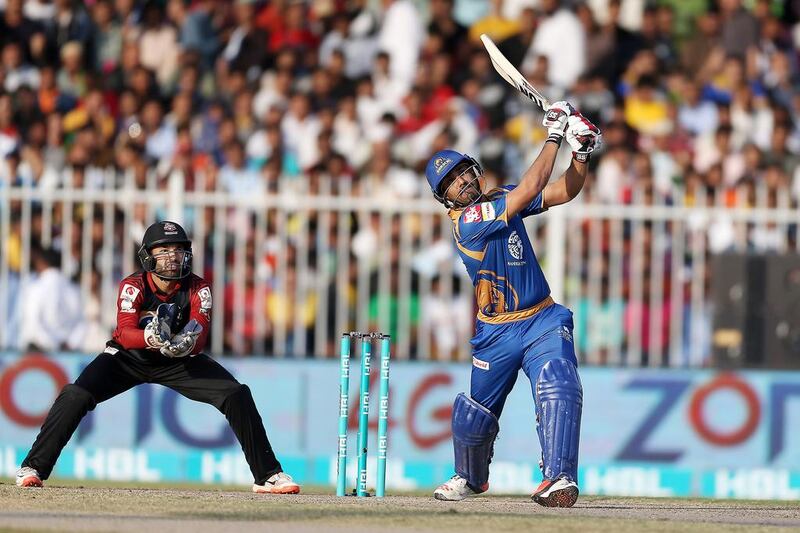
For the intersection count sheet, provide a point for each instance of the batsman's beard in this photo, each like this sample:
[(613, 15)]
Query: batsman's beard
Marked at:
[(472, 189)]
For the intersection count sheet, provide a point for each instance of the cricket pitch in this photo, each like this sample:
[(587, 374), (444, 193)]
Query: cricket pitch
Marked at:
[(69, 506)]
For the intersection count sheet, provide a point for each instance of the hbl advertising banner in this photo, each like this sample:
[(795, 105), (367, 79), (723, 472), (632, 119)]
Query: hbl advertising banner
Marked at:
[(645, 432)]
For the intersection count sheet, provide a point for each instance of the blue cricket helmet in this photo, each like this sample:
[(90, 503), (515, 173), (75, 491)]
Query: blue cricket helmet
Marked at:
[(439, 165)]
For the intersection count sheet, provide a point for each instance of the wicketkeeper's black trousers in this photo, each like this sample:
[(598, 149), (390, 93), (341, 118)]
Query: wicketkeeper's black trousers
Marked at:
[(198, 378)]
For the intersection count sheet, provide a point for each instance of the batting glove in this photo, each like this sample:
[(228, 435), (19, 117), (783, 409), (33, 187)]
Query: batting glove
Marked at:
[(555, 120), (183, 343), (583, 136)]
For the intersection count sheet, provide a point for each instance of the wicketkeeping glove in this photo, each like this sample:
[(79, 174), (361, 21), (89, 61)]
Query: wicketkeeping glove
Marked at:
[(183, 343), (159, 329), (583, 136), (555, 120)]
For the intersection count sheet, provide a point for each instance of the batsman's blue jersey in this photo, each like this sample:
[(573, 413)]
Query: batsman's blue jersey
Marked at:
[(508, 281)]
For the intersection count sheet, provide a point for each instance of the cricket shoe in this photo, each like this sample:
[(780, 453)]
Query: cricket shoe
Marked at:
[(456, 489), (280, 483), (28, 477), (559, 492)]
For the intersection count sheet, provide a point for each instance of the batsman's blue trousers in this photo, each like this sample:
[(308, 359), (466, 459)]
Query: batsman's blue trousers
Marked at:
[(500, 350)]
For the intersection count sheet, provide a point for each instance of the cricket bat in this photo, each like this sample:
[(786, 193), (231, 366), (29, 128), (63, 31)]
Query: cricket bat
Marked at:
[(513, 76)]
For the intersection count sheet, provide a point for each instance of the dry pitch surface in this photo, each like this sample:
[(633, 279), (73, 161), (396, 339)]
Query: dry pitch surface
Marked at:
[(71, 507)]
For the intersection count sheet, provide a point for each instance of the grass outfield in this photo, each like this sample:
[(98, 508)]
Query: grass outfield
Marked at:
[(84, 506)]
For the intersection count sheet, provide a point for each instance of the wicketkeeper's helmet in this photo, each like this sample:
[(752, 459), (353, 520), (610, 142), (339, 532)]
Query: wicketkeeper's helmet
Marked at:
[(162, 233)]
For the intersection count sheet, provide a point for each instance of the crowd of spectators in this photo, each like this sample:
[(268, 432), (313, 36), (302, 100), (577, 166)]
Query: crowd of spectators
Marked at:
[(696, 99)]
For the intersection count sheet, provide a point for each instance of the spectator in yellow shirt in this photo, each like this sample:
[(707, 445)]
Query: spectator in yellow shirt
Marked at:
[(646, 109), (494, 25)]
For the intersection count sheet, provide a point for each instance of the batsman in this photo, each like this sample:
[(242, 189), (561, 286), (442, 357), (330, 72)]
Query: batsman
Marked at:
[(163, 316), (518, 324)]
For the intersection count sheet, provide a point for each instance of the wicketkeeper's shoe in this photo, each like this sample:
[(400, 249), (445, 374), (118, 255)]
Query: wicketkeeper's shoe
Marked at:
[(28, 477), (559, 492), (456, 489), (280, 483)]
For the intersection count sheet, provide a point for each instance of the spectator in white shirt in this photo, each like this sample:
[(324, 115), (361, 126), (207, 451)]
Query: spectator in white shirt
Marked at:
[(161, 137), (17, 73), (274, 91), (401, 37), (348, 134), (562, 40), (696, 116), (334, 39), (235, 177), (158, 45), (52, 312), (300, 129), (387, 89)]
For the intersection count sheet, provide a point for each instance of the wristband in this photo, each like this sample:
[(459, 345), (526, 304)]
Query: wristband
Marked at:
[(555, 138)]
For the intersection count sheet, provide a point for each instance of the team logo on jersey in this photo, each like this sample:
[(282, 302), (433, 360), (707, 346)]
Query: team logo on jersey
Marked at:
[(440, 162), (205, 300), (127, 296), (487, 211), (472, 214), (515, 245), (494, 294)]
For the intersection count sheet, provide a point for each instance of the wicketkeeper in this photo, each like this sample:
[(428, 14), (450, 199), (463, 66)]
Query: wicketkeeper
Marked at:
[(163, 316), (518, 323)]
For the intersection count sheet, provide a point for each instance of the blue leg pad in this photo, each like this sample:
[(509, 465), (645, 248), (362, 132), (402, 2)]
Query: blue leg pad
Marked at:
[(559, 402), (474, 431)]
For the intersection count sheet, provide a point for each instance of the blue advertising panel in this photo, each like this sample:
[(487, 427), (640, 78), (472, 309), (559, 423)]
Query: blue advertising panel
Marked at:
[(645, 432)]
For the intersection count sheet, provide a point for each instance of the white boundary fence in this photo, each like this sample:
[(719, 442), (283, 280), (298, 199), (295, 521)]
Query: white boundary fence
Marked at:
[(292, 270)]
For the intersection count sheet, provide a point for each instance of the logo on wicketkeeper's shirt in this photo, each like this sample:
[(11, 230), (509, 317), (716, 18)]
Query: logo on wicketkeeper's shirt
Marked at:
[(205, 300), (127, 296)]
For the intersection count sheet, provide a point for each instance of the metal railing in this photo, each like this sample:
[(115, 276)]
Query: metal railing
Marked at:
[(293, 269)]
